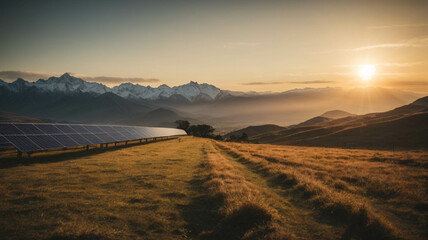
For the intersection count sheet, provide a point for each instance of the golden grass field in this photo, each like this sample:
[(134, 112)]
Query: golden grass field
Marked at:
[(202, 189)]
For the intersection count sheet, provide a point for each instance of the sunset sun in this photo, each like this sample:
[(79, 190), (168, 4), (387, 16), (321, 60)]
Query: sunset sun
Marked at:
[(366, 72)]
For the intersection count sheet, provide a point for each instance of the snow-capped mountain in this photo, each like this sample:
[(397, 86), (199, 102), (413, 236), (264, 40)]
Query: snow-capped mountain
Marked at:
[(191, 91), (66, 83)]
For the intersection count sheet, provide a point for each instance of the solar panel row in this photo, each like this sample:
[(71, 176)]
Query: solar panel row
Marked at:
[(28, 137)]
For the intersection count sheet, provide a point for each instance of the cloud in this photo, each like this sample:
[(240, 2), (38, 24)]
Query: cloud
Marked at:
[(312, 82), (414, 83), (115, 80), (29, 76), (294, 82), (399, 26), (262, 83), (413, 42), (387, 64), (9, 76)]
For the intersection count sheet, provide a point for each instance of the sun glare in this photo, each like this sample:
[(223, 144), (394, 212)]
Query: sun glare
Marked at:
[(366, 72)]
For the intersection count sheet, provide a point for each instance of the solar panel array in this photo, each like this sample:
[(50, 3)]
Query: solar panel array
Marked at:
[(29, 137)]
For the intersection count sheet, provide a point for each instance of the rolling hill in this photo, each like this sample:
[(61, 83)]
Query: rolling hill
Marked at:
[(401, 128), (253, 131), (13, 117), (334, 114)]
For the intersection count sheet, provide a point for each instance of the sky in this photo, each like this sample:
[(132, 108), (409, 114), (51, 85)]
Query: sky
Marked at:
[(236, 45)]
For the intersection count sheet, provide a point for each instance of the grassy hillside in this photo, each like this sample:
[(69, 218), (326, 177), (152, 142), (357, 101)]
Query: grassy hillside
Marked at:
[(13, 117), (201, 189), (401, 128), (252, 131)]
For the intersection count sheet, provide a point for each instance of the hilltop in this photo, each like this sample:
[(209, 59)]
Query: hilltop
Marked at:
[(401, 128)]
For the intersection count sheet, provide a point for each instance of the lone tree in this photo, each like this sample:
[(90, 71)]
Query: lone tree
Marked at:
[(202, 130), (183, 124)]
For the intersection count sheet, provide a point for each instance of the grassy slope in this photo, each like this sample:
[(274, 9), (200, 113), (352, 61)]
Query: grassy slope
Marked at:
[(374, 194), (13, 117), (198, 189), (123, 194)]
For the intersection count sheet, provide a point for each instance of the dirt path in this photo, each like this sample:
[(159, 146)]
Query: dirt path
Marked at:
[(298, 217)]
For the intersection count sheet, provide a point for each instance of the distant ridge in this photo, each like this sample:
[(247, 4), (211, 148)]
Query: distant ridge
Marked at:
[(13, 117), (404, 127), (336, 114), (66, 83), (253, 131)]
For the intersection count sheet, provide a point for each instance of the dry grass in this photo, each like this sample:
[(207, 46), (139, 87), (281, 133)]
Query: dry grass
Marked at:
[(128, 193), (196, 189), (382, 195), (244, 213)]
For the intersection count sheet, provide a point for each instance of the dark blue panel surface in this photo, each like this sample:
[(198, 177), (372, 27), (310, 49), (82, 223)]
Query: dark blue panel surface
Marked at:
[(92, 138), (79, 129), (80, 140), (65, 140), (134, 132), (23, 143), (28, 128), (105, 137), (65, 128), (128, 134), (45, 141), (48, 128), (4, 143), (9, 129), (119, 137), (93, 129), (108, 129)]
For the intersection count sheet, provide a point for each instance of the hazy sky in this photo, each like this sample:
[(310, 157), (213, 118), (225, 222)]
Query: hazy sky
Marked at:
[(236, 45)]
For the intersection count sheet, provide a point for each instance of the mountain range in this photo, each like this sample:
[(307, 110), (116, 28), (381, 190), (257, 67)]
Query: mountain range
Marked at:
[(71, 99), (70, 84)]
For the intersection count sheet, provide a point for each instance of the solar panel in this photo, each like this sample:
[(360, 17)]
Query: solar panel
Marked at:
[(105, 137), (4, 143), (28, 137), (92, 138), (80, 140), (119, 137), (65, 140), (130, 133), (66, 129), (9, 129), (45, 141), (28, 128), (48, 128), (94, 129), (108, 129), (79, 129), (23, 143)]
